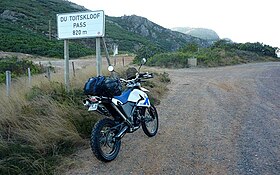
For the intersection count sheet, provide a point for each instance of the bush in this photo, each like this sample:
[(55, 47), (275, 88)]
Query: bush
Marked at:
[(191, 47), (259, 48), (222, 53), (17, 66), (147, 52), (175, 59)]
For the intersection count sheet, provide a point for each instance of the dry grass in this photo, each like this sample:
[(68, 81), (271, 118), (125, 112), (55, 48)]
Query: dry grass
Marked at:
[(46, 120), (36, 121)]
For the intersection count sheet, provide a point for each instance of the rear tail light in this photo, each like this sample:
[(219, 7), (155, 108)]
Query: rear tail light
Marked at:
[(93, 99)]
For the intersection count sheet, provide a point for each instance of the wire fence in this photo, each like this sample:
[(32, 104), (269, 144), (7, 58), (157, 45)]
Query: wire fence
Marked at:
[(49, 71)]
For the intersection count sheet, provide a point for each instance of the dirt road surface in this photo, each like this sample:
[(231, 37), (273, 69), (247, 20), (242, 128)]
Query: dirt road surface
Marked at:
[(82, 63), (212, 121)]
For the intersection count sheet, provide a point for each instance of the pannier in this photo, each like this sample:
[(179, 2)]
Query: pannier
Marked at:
[(103, 86)]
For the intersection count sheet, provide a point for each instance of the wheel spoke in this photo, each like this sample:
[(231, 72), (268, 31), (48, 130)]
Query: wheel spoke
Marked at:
[(106, 141), (150, 121), (102, 143)]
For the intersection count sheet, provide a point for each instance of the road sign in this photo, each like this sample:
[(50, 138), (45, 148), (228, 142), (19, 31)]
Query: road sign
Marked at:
[(88, 24)]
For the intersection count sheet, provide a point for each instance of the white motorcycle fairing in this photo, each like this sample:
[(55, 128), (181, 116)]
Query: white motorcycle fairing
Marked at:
[(136, 96), (139, 97)]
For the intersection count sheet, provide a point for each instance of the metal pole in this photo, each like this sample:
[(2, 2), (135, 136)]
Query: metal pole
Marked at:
[(73, 67), (29, 77), (8, 82), (98, 57), (66, 65), (49, 73), (106, 51), (115, 53)]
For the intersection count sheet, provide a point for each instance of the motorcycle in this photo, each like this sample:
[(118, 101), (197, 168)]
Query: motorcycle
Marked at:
[(124, 113)]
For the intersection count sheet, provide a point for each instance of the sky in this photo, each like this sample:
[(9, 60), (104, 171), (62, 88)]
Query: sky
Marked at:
[(240, 20)]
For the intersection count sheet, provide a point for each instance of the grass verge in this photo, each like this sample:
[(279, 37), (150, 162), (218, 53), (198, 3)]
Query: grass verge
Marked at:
[(43, 124)]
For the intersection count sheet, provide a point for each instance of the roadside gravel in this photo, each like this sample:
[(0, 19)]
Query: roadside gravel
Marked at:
[(212, 121)]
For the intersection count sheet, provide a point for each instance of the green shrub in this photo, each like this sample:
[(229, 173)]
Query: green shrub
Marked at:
[(175, 59), (191, 47), (222, 53), (258, 48), (147, 52), (17, 66)]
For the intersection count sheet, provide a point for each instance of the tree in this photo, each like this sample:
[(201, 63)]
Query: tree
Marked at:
[(147, 52), (191, 47)]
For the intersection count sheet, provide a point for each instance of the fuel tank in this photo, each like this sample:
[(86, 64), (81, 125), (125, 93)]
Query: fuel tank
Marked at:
[(139, 97), (136, 96)]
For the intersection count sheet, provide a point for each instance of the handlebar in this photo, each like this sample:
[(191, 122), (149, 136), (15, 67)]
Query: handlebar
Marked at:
[(138, 78), (146, 75)]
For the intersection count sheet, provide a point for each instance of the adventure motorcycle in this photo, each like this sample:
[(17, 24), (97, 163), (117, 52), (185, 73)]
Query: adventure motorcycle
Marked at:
[(124, 113)]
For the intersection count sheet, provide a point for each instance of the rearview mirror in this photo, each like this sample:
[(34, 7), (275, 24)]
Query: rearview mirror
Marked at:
[(143, 61), (110, 68)]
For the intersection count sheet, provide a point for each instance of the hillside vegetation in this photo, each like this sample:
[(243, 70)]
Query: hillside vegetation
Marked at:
[(17, 67), (221, 53), (24, 27), (158, 36)]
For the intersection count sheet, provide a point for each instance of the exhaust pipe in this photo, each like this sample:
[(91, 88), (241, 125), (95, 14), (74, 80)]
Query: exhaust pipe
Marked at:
[(86, 102), (121, 133)]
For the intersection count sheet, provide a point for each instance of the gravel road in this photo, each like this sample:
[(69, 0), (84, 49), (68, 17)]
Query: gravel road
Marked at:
[(212, 121)]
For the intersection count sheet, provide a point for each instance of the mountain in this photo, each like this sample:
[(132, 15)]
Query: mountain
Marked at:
[(165, 38), (24, 27), (206, 34), (25, 24)]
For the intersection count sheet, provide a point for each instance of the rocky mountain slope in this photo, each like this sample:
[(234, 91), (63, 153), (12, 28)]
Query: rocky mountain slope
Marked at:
[(165, 38), (25, 24), (206, 34)]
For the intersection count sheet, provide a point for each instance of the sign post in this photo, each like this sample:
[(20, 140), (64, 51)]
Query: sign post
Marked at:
[(98, 57), (8, 82), (115, 53), (88, 24), (29, 77), (66, 65)]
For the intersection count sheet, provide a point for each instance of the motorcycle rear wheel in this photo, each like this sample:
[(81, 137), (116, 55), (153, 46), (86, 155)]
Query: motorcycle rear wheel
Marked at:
[(150, 122), (102, 141)]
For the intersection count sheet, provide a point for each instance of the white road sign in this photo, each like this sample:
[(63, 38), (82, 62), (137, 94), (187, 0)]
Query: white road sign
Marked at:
[(81, 25)]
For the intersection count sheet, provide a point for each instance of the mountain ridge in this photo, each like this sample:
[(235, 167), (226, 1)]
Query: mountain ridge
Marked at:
[(166, 38), (203, 33), (24, 25)]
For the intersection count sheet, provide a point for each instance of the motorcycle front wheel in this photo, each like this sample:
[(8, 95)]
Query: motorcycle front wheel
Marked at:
[(150, 121), (102, 141)]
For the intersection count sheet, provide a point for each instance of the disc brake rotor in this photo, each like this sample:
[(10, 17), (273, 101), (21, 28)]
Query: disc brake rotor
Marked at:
[(109, 139)]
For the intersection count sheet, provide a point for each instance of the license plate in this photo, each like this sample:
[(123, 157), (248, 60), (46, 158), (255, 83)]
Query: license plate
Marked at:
[(93, 107)]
